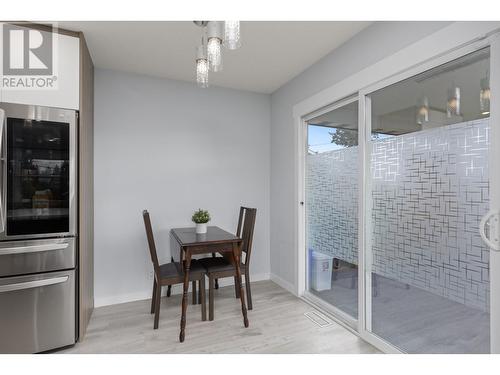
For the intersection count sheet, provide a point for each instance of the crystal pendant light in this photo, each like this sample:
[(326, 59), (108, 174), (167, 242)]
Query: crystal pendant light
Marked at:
[(423, 110), (484, 95), (453, 103), (214, 45), (201, 66), (232, 34)]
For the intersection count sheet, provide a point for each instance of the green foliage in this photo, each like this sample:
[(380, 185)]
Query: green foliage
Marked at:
[(348, 137), (345, 137), (201, 216)]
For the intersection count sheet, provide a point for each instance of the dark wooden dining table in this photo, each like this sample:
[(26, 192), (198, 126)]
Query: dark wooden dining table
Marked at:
[(185, 243)]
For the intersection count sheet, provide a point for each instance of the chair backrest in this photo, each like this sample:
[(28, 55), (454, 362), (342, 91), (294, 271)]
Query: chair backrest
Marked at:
[(151, 242), (246, 224)]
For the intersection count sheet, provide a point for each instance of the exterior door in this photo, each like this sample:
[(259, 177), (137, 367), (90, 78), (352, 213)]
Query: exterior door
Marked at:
[(431, 179), (331, 203)]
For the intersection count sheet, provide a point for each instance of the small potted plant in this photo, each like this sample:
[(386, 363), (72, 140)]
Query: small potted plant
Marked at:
[(201, 218)]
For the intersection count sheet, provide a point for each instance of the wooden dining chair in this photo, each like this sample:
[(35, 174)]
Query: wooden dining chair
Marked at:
[(219, 267), (169, 274)]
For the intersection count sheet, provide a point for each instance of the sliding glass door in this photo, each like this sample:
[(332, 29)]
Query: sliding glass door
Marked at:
[(398, 181), (428, 278), (332, 208)]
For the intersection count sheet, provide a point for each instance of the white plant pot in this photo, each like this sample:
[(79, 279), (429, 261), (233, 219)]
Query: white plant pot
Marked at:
[(201, 228)]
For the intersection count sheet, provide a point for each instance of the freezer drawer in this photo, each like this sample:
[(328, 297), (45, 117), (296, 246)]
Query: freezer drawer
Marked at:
[(37, 312), (23, 257)]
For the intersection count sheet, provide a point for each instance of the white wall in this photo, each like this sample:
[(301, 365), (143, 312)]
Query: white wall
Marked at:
[(376, 42), (170, 147)]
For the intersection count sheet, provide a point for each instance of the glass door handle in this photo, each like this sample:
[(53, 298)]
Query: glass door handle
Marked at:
[(493, 239)]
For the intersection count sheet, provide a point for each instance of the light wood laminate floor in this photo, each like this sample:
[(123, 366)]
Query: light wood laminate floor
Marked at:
[(277, 325)]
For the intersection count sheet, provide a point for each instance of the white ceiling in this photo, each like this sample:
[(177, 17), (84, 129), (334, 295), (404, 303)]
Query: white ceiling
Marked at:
[(271, 54)]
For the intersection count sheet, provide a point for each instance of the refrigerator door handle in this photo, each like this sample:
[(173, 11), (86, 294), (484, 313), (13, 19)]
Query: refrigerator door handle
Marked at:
[(33, 249), (33, 284)]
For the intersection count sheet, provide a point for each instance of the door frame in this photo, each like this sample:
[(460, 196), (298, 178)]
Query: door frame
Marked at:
[(446, 45)]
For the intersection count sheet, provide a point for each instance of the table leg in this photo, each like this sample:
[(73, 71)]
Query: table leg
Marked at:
[(236, 255), (187, 267)]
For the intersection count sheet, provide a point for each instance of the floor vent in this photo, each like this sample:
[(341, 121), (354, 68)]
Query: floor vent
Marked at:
[(318, 318)]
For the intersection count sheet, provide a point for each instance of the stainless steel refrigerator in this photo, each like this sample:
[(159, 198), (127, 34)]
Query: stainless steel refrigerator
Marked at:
[(38, 228)]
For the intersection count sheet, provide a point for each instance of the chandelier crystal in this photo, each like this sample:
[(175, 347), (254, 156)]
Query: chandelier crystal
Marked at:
[(214, 46), (423, 111), (201, 67), (484, 96), (453, 104), (232, 34)]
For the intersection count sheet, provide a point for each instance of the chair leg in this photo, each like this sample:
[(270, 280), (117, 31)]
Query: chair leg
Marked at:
[(216, 280), (157, 305), (236, 289), (210, 298), (203, 299), (202, 281), (153, 298), (249, 292), (169, 290), (194, 292)]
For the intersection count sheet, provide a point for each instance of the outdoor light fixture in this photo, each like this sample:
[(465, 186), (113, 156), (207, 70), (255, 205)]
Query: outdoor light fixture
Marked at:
[(232, 34), (484, 95), (202, 65), (423, 110), (214, 45), (453, 104)]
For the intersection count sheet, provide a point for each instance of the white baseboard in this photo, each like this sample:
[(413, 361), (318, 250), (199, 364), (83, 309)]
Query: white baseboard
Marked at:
[(176, 289), (122, 298), (283, 283)]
